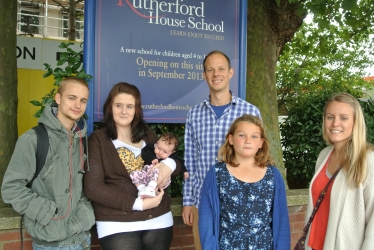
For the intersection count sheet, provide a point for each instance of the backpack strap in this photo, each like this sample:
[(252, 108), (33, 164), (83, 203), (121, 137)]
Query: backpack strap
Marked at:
[(42, 147)]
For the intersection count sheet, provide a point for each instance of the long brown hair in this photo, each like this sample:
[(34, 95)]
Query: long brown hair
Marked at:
[(227, 153), (138, 125)]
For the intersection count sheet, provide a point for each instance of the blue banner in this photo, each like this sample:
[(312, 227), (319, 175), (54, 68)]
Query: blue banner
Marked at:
[(159, 46)]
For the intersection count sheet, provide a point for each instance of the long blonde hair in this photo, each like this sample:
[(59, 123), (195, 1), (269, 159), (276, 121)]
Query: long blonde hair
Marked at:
[(357, 147), (227, 153)]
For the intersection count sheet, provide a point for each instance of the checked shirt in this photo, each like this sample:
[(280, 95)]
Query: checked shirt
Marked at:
[(204, 135)]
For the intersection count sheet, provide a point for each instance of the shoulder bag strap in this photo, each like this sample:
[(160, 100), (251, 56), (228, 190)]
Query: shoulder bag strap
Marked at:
[(320, 199)]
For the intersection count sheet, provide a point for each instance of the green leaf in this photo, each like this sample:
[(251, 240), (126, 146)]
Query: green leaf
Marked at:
[(47, 66), (349, 4), (35, 103), (76, 67), (63, 45), (81, 74), (300, 11), (68, 70), (57, 81), (38, 113), (61, 62), (58, 70), (48, 73), (73, 59), (63, 56), (87, 77), (72, 52)]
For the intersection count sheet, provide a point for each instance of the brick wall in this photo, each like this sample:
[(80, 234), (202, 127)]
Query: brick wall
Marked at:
[(297, 215), (11, 240), (182, 234)]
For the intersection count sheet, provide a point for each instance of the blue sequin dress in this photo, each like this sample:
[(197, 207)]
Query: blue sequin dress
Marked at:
[(246, 211)]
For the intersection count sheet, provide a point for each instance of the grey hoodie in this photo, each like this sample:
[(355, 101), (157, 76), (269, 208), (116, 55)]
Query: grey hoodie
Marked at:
[(55, 209)]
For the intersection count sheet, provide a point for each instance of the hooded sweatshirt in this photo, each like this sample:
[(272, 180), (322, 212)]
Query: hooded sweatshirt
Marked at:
[(55, 209)]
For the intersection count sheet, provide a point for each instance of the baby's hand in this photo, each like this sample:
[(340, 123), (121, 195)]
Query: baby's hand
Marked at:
[(155, 161), (185, 175)]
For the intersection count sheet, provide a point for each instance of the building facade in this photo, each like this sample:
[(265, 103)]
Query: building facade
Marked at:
[(48, 18)]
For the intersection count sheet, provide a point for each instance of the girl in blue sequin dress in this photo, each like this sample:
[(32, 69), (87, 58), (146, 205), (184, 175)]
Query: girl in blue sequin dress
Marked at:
[(243, 202)]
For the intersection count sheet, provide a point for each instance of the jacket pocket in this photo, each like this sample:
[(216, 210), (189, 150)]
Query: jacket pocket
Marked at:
[(84, 218), (49, 172), (54, 231)]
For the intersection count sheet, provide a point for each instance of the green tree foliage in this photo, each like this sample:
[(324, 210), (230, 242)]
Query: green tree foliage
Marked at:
[(271, 24), (302, 138), (323, 58), (72, 60), (368, 108), (317, 59)]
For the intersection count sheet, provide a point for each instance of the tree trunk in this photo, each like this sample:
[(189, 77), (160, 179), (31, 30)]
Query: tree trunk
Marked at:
[(269, 27), (8, 84), (72, 20)]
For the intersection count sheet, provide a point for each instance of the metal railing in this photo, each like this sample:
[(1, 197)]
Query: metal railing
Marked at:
[(45, 20)]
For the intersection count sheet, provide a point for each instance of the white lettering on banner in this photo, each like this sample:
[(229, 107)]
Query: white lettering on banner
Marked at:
[(176, 7), (157, 14)]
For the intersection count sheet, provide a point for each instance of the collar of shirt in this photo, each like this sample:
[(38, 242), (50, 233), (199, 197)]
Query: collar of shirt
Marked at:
[(206, 102)]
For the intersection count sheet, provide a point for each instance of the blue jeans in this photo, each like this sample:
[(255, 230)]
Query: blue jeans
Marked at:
[(85, 245)]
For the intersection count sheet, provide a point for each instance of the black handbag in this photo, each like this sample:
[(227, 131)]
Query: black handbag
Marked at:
[(300, 245)]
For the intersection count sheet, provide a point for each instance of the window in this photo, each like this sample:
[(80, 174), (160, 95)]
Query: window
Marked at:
[(78, 25), (29, 22), (47, 18)]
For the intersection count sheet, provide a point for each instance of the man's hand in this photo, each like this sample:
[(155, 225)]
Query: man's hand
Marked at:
[(187, 215), (149, 203), (163, 174)]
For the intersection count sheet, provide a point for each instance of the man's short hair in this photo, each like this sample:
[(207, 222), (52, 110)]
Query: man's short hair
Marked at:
[(217, 52), (65, 81)]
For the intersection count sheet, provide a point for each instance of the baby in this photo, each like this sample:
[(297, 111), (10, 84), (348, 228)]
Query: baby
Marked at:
[(164, 150)]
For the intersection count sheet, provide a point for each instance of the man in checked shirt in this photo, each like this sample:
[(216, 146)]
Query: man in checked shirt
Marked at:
[(206, 127)]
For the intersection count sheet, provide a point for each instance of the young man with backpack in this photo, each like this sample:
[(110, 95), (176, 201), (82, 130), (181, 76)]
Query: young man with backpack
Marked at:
[(55, 211)]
